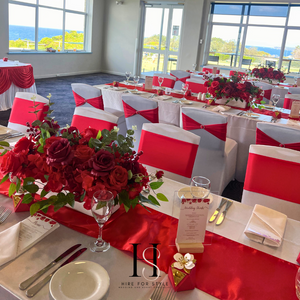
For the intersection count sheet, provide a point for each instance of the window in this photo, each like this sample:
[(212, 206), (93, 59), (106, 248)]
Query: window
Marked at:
[(267, 34), (37, 25)]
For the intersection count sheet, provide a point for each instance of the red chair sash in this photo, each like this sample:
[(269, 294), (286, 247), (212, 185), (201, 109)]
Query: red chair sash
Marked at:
[(210, 70), (264, 139), (267, 94), (183, 79), (22, 111), (149, 114), (96, 102), (218, 130), (168, 82), (197, 87), (273, 177), (172, 155), (288, 102), (82, 122)]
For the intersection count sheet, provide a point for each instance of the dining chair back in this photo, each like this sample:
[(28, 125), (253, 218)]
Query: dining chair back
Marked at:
[(289, 99), (213, 58), (22, 111), (266, 87), (85, 117), (86, 95), (197, 85), (272, 179), (246, 62), (170, 149), (207, 69), (277, 135), (216, 155), (138, 111), (294, 90), (169, 80), (180, 75)]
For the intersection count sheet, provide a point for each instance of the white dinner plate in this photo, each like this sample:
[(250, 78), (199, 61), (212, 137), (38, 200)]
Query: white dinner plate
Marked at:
[(134, 92), (4, 130), (269, 107), (252, 115), (187, 102), (83, 280), (186, 191)]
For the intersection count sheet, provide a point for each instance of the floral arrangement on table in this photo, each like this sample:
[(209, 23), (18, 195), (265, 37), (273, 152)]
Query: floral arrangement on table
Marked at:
[(233, 87), (268, 74), (75, 165)]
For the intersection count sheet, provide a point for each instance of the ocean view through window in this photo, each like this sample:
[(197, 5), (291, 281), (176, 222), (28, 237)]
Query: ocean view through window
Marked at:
[(50, 25), (261, 33)]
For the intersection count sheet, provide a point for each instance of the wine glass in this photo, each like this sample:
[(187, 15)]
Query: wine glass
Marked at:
[(297, 284), (194, 67), (127, 74), (200, 187), (160, 80), (168, 91), (102, 205), (184, 88), (275, 98), (136, 81), (251, 103)]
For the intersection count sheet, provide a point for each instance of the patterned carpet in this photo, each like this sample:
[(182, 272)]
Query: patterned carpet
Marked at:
[(64, 105)]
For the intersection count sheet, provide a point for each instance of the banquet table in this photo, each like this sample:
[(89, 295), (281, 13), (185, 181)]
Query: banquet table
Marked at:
[(242, 129), (14, 77), (119, 264)]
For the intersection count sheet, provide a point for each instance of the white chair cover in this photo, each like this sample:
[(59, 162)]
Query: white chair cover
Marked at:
[(138, 103), (294, 90), (289, 99), (20, 112), (85, 117), (168, 150), (181, 77), (267, 88), (216, 159), (272, 179), (196, 85)]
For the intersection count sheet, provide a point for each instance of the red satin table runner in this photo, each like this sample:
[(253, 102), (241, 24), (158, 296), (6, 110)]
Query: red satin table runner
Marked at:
[(226, 269)]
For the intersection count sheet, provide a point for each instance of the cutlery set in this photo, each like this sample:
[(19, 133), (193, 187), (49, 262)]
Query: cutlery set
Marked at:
[(4, 214), (218, 210), (10, 135), (273, 120), (33, 290), (241, 113), (158, 291)]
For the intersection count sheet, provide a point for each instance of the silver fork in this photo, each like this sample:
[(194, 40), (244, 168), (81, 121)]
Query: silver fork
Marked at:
[(2, 208), (5, 215), (157, 293), (171, 294)]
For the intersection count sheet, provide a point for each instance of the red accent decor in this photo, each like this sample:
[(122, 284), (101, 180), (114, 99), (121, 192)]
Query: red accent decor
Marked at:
[(81, 122), (226, 270), (149, 114), (183, 79), (96, 102), (218, 130), (5, 58), (232, 72), (168, 82), (21, 76), (264, 139), (263, 171), (267, 94), (197, 87), (22, 109), (288, 102), (161, 152), (187, 283), (210, 70)]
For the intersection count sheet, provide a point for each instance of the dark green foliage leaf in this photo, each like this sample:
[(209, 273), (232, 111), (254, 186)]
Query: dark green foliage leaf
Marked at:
[(31, 188), (28, 180), (155, 185), (34, 208), (12, 189), (4, 143), (153, 200), (44, 193), (18, 184), (4, 178), (162, 197), (82, 197), (4, 152), (27, 198)]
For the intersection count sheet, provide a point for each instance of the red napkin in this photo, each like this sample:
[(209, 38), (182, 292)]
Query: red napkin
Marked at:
[(5, 59), (276, 114), (211, 102), (115, 83)]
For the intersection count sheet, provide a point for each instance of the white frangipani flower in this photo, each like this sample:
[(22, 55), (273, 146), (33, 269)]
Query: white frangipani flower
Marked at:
[(184, 261), (134, 127), (116, 129)]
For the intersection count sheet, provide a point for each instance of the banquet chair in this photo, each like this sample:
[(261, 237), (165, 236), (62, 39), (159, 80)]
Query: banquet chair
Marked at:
[(246, 62), (207, 69), (277, 135), (294, 90), (181, 77), (22, 110), (85, 117), (138, 111), (216, 156), (272, 179), (213, 58), (197, 85), (169, 80), (170, 149), (267, 88), (289, 99)]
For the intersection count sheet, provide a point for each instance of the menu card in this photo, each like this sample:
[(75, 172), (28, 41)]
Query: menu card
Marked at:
[(295, 110), (215, 70), (192, 221), (148, 83), (298, 81)]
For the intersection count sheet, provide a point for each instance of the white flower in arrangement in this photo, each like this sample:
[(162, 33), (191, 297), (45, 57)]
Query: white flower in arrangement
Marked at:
[(33, 97), (134, 127), (116, 129), (49, 96), (134, 139), (182, 262)]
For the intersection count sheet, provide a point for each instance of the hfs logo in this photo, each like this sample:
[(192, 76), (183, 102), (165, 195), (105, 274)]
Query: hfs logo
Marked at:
[(156, 255)]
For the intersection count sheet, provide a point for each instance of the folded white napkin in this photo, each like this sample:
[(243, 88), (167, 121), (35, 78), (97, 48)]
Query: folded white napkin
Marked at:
[(220, 108), (164, 97), (266, 226), (23, 235)]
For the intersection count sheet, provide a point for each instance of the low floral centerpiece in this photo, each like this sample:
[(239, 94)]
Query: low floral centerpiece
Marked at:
[(73, 165), (269, 74)]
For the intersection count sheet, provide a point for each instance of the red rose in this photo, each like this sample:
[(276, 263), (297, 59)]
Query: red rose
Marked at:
[(206, 83), (215, 84), (71, 129), (89, 133), (241, 86), (83, 152), (12, 162), (117, 179), (159, 174), (135, 190), (54, 183), (101, 163), (59, 153), (23, 144)]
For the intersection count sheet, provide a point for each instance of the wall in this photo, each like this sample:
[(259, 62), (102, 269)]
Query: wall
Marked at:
[(53, 64)]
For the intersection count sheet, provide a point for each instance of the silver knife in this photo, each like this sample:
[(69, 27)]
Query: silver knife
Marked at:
[(25, 284), (217, 211), (223, 214), (32, 291)]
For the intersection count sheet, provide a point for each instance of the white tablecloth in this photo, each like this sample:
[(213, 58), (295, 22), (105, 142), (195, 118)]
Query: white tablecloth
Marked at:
[(118, 264)]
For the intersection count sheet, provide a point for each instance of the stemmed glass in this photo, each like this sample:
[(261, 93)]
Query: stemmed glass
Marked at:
[(160, 80), (194, 67), (184, 88), (136, 81), (127, 74), (275, 98), (200, 187), (102, 205), (251, 103)]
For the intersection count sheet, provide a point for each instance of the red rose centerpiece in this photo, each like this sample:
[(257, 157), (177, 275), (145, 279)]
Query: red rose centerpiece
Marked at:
[(269, 74)]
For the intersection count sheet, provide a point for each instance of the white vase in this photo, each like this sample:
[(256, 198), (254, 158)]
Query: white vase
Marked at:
[(233, 103)]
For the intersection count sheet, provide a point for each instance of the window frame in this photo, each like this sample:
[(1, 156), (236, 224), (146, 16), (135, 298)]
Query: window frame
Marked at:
[(245, 16), (87, 44)]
